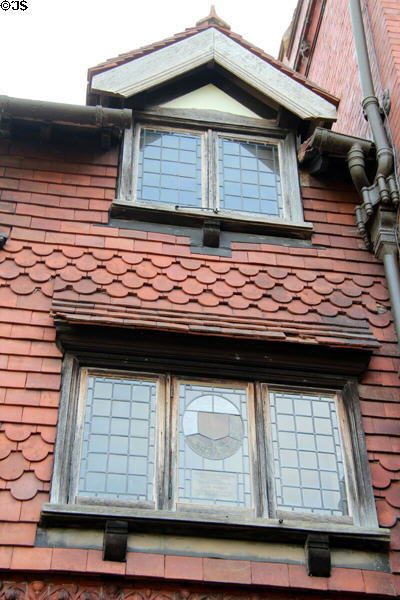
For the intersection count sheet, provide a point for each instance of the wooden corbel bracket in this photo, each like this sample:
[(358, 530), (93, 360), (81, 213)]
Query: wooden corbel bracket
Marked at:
[(318, 555), (115, 540)]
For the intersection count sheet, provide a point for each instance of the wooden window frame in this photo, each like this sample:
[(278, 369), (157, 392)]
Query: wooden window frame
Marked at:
[(165, 506), (126, 204)]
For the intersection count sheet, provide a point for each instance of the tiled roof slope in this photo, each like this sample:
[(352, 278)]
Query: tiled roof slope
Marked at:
[(201, 26), (54, 206)]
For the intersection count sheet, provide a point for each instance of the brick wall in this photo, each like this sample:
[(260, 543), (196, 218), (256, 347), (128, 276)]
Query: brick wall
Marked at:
[(333, 64), (54, 202)]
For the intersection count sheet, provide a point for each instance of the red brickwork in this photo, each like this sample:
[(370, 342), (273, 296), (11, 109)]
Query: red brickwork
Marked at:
[(54, 206), (333, 64)]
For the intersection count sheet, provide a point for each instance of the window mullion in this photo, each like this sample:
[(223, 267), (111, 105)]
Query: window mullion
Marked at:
[(171, 443), (212, 170), (267, 486), (161, 460)]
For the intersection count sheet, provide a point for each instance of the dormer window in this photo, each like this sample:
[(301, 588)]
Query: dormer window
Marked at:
[(214, 138)]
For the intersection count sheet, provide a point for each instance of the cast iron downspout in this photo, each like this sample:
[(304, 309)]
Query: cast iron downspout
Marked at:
[(385, 246)]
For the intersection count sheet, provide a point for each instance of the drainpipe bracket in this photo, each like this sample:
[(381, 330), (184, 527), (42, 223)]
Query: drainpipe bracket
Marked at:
[(383, 231)]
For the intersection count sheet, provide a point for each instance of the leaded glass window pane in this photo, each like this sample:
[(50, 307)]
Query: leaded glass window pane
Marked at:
[(308, 464), (169, 170), (117, 457), (213, 461), (249, 178)]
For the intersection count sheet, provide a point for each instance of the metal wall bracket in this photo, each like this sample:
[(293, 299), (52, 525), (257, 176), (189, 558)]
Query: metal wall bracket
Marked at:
[(115, 540), (211, 233), (318, 555)]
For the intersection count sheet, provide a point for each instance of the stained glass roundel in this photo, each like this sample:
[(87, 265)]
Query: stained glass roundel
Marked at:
[(213, 427)]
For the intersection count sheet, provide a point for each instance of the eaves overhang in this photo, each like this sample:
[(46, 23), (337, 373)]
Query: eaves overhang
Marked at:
[(213, 46)]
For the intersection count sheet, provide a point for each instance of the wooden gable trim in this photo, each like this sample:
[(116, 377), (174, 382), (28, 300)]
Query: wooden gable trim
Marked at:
[(207, 47)]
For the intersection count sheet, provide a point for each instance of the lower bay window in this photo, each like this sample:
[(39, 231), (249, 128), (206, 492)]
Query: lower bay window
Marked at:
[(244, 448)]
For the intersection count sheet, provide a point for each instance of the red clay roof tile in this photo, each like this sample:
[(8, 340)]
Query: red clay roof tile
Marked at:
[(363, 280), (297, 308), (308, 296), (102, 277), (34, 448), (208, 299), (393, 494), (115, 289), (163, 284), (147, 293), (307, 275), (239, 302), (176, 273), (70, 273), (116, 266), (48, 433), (249, 270), (26, 258), (162, 261), (72, 251), (6, 446), (380, 477), (205, 275), (131, 280), (268, 305), (264, 281), (219, 267), (102, 254), (280, 295), (235, 279), (26, 487), (356, 312), (86, 286), (252, 292), (293, 284), (13, 466), (192, 287), (146, 270), (378, 292), (43, 469), (222, 290), (18, 432), (178, 297), (277, 273), (39, 273), (87, 263), (321, 286), (334, 277), (8, 269), (339, 300), (10, 508)]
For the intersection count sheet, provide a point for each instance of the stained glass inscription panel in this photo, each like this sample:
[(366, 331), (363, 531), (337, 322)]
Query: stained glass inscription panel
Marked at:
[(213, 462)]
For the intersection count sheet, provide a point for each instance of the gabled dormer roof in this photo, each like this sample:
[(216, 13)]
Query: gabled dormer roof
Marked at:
[(212, 41)]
